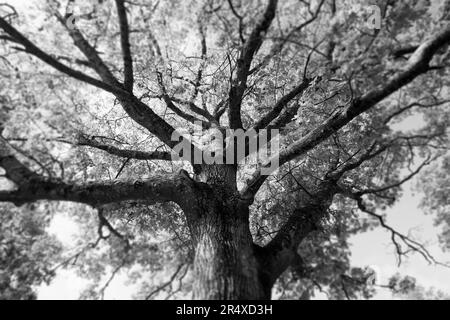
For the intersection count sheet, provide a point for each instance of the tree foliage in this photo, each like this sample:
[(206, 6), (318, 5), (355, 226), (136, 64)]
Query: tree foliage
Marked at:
[(27, 251), (91, 93)]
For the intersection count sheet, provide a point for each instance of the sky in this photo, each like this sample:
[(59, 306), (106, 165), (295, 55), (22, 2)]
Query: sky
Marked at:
[(375, 248), (372, 248)]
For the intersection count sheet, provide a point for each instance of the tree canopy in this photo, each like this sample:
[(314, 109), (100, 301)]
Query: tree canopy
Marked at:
[(92, 92)]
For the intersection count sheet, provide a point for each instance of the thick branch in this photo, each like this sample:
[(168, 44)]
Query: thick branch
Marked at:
[(14, 169), (124, 153), (281, 251), (251, 46), (35, 51), (336, 173), (417, 65), (32, 187), (135, 108), (194, 108), (158, 188), (276, 110), (125, 43), (90, 53), (279, 45), (400, 52), (171, 105), (201, 68)]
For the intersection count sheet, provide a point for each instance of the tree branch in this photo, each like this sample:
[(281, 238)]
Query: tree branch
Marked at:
[(398, 183), (35, 51), (240, 19), (412, 105), (281, 251), (276, 110), (400, 52), (279, 45), (124, 153), (194, 108), (251, 46), (157, 188), (167, 283), (32, 187), (201, 68), (418, 64), (90, 52), (410, 243), (125, 43), (136, 109)]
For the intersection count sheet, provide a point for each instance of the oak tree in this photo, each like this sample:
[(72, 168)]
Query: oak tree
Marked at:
[(92, 93)]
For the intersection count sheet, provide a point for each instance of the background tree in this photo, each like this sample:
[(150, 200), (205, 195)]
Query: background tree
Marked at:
[(92, 93), (406, 288), (27, 252)]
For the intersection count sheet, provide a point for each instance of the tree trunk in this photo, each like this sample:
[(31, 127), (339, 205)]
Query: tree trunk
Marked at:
[(225, 262)]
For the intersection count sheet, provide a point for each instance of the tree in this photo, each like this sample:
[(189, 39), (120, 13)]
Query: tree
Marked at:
[(27, 252), (407, 289), (77, 126), (435, 182)]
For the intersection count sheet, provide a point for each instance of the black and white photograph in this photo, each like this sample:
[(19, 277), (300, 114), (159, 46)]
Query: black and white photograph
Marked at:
[(255, 151)]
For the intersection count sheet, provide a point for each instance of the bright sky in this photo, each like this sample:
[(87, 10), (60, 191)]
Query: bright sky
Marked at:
[(375, 248)]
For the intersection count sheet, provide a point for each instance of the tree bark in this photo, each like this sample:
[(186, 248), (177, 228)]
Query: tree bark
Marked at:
[(225, 263)]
